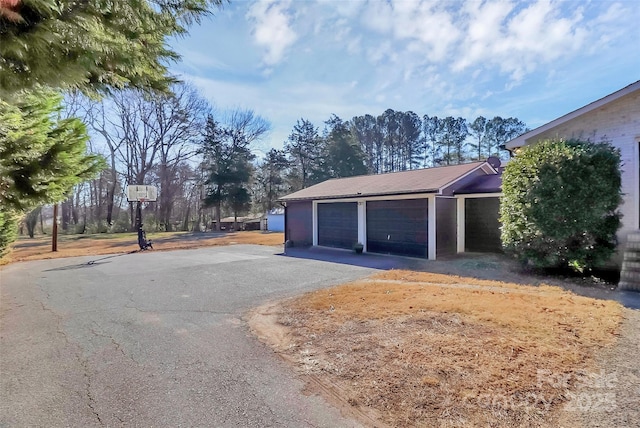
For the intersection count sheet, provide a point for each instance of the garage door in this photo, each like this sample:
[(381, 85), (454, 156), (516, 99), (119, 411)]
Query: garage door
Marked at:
[(398, 227), (482, 228), (338, 224)]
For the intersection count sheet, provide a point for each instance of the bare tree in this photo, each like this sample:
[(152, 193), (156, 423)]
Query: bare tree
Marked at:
[(148, 136)]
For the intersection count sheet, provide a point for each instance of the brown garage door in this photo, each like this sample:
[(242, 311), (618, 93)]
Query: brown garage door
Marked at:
[(338, 224), (482, 228), (398, 227)]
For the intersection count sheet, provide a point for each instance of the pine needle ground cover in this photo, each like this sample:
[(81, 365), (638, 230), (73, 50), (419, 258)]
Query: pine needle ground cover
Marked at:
[(82, 245), (404, 348)]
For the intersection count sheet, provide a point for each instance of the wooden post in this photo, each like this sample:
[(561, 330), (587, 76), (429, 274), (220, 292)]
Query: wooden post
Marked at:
[(54, 231)]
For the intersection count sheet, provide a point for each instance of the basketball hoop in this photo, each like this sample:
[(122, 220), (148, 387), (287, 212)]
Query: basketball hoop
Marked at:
[(141, 193)]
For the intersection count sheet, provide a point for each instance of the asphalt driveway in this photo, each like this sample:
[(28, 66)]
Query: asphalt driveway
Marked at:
[(154, 339)]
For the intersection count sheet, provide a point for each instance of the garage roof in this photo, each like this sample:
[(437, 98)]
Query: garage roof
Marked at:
[(429, 180), (484, 184)]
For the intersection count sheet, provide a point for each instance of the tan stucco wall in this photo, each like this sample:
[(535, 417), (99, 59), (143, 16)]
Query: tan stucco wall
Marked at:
[(617, 122)]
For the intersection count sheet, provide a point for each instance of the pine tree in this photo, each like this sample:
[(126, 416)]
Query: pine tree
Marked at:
[(227, 159), (91, 45)]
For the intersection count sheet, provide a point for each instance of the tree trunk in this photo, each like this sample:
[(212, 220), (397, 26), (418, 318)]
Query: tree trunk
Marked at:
[(65, 208), (31, 221), (111, 190), (185, 224), (218, 207), (41, 223)]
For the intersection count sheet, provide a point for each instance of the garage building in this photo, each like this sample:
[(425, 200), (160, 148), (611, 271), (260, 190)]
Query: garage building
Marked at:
[(421, 213)]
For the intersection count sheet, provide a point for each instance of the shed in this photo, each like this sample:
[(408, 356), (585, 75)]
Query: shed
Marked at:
[(275, 219)]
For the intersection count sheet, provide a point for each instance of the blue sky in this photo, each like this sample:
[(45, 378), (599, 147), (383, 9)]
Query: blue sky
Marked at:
[(532, 60)]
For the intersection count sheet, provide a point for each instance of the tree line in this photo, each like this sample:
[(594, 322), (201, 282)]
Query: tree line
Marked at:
[(392, 141), (76, 132), (48, 49), (205, 166)]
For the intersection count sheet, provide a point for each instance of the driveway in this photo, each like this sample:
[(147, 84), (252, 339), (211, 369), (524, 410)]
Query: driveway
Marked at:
[(154, 339)]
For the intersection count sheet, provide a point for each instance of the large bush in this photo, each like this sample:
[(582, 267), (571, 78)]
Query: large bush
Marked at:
[(8, 229), (560, 204)]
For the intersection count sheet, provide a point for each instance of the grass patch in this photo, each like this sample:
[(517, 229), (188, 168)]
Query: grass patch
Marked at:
[(422, 349), (39, 248)]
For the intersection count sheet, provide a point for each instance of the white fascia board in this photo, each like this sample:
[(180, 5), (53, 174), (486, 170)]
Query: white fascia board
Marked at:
[(362, 225), (460, 225), (375, 198), (522, 139), (432, 228), (480, 195), (314, 222)]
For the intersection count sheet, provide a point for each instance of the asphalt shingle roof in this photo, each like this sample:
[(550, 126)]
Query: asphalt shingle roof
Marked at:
[(427, 180)]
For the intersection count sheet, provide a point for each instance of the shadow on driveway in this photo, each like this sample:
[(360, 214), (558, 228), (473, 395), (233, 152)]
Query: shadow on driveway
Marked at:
[(481, 266), (367, 260)]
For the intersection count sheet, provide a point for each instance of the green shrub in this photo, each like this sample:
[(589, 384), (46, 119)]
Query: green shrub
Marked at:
[(560, 204), (8, 229)]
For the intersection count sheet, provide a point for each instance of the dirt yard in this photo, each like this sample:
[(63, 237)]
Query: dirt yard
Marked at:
[(404, 348), (81, 245)]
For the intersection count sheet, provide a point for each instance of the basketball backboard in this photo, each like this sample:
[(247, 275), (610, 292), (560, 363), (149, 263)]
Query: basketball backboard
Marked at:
[(141, 193)]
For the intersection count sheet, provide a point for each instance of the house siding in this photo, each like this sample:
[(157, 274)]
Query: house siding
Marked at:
[(299, 223), (617, 122), (446, 230)]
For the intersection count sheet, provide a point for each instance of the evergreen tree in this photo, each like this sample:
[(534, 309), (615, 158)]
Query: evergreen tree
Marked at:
[(499, 131), (41, 156), (228, 162), (478, 130), (270, 179), (364, 129), (91, 45), (304, 148), (432, 131), (410, 134), (343, 155)]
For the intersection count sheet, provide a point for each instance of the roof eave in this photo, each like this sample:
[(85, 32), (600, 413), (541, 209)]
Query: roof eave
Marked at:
[(521, 140), (362, 195), (482, 165)]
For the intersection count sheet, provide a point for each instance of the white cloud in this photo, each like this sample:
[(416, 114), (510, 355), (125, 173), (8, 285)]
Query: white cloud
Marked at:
[(427, 23), (381, 52), (458, 58), (272, 29), (519, 39), (197, 60), (512, 37)]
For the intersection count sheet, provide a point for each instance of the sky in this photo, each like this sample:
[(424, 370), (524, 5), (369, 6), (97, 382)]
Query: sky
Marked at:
[(287, 60)]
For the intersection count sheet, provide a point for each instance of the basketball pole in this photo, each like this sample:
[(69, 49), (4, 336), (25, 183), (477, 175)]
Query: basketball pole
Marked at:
[(138, 215), (54, 230)]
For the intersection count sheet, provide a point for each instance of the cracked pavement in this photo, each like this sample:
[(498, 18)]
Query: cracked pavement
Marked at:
[(154, 339)]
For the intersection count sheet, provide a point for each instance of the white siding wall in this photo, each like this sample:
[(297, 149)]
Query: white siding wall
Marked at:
[(617, 122)]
